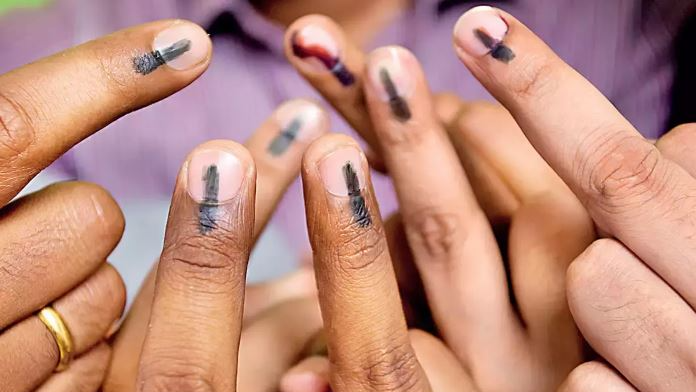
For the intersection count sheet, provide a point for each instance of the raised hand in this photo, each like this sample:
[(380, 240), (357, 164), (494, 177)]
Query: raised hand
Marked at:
[(53, 244), (270, 309), (633, 295), (524, 339)]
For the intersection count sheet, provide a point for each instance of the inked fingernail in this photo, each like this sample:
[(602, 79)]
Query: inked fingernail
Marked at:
[(481, 31), (182, 46), (320, 50), (391, 79), (298, 120), (214, 178), (343, 175)]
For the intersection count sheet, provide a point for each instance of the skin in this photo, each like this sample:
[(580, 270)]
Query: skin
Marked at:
[(268, 319), (61, 236), (488, 177), (631, 294)]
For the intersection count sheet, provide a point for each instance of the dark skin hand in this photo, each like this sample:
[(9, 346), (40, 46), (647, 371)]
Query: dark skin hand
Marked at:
[(54, 243)]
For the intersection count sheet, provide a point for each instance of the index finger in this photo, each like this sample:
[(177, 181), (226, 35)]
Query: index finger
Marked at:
[(195, 324), (48, 106), (366, 331), (317, 47), (629, 188)]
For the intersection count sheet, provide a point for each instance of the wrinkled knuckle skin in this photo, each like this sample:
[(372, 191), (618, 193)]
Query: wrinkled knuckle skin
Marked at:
[(360, 249), (435, 231), (535, 78), (587, 274), (623, 172), (589, 269), (175, 381), (17, 133), (209, 259), (395, 369)]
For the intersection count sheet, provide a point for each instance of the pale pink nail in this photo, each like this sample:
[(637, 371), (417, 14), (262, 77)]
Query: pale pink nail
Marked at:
[(320, 50), (298, 120), (391, 77), (181, 46), (481, 31), (214, 176), (342, 172)]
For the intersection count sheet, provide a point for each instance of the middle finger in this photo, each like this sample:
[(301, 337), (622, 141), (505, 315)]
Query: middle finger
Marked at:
[(449, 235)]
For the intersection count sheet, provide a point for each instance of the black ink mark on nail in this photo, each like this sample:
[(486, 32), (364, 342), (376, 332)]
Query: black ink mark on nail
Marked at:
[(149, 62), (499, 50), (333, 64), (357, 201), (399, 106), (282, 142), (207, 210)]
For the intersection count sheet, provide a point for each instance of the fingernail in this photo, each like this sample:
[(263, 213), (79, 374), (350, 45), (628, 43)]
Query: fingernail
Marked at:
[(320, 50), (115, 326), (343, 175), (302, 382), (391, 79), (182, 46), (298, 120), (481, 31), (214, 177)]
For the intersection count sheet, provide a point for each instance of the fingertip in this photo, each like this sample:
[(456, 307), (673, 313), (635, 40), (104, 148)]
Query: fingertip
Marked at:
[(481, 31), (179, 44), (303, 382), (301, 120), (316, 46), (216, 170), (323, 146), (310, 375)]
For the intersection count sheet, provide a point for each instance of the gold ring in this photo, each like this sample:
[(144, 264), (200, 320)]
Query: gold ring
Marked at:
[(61, 333)]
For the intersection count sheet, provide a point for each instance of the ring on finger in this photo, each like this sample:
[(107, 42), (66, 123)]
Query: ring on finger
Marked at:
[(56, 326)]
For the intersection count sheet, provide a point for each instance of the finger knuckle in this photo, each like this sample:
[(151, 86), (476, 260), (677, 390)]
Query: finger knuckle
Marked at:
[(435, 231), (17, 132), (588, 271), (205, 259), (404, 139), (536, 78), (392, 369), (360, 249), (175, 380), (623, 171)]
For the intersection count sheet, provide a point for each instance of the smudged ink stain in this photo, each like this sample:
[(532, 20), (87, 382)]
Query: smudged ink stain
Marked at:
[(149, 62), (333, 64), (357, 201), (282, 142), (399, 106), (207, 210), (499, 50)]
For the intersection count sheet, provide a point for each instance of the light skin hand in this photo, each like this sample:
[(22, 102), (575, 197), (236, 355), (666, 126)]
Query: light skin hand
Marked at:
[(59, 237), (452, 179), (633, 294)]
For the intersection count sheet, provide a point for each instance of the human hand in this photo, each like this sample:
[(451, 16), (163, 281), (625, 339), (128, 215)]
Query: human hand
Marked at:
[(523, 339), (632, 295), (53, 244), (282, 315)]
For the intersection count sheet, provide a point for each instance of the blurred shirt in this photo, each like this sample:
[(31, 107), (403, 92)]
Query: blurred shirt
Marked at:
[(622, 46)]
